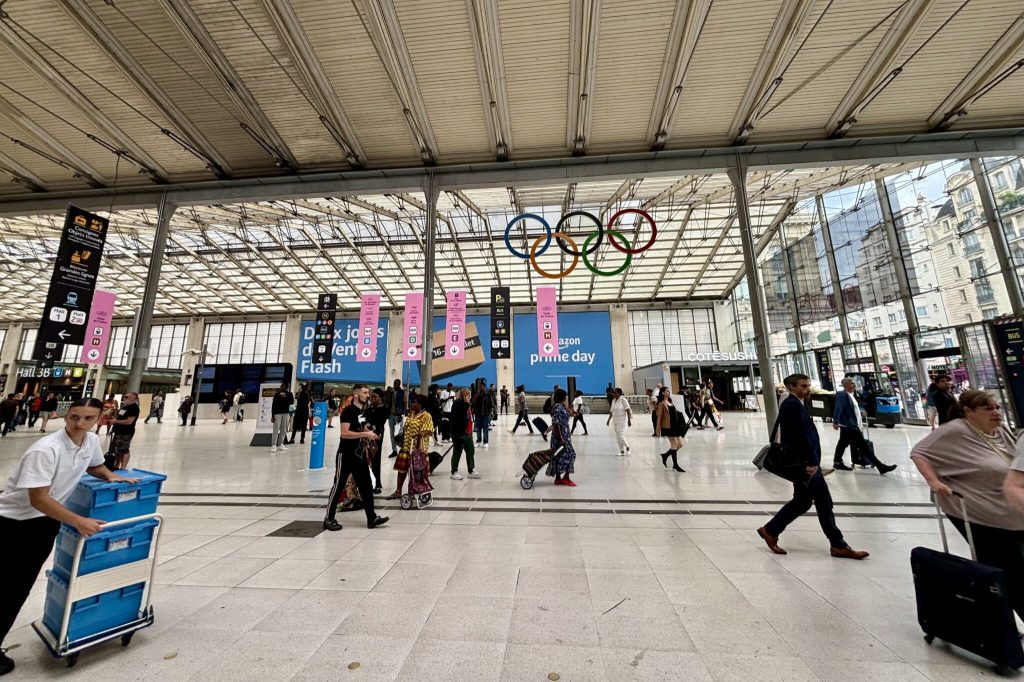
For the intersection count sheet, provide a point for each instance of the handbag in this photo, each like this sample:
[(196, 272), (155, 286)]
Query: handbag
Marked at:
[(584, 409), (774, 459)]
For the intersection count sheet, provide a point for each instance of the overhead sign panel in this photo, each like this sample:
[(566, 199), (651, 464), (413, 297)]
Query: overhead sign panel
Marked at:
[(323, 339), (69, 299), (501, 318), (94, 350)]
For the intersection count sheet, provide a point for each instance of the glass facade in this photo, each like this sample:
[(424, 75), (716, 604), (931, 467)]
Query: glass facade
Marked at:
[(666, 335), (166, 344), (244, 342), (940, 239)]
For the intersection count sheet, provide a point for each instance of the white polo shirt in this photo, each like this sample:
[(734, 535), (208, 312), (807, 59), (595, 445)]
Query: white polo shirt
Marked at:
[(620, 406), (53, 461)]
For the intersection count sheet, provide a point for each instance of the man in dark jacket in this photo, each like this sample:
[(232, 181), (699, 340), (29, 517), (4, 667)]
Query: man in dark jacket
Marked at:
[(800, 441), (847, 420), (943, 398), (462, 435), (483, 406)]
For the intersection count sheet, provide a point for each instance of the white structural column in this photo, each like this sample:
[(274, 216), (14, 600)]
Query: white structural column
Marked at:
[(758, 309), (430, 191), (9, 357), (291, 344), (143, 325), (622, 356), (995, 228)]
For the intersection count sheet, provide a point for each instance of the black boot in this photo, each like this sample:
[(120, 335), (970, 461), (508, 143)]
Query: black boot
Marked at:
[(664, 458), (675, 463)]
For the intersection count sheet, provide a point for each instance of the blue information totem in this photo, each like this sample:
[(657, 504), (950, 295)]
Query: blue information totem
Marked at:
[(316, 448)]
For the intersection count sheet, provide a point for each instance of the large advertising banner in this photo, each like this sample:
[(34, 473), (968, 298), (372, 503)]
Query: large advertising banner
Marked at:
[(474, 364), (343, 366), (584, 353), (369, 315)]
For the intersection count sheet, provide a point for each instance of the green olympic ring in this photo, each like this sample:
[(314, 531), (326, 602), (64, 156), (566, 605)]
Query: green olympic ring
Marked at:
[(613, 234)]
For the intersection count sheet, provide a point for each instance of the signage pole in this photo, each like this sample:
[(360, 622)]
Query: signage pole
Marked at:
[(316, 447), (197, 379), (430, 191)]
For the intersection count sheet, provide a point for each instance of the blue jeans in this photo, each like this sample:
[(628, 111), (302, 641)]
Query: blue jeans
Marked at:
[(482, 426)]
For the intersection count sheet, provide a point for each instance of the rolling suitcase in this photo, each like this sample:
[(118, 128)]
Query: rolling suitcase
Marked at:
[(965, 603), (540, 425)]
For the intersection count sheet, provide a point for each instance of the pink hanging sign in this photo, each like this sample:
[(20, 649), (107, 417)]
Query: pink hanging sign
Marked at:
[(97, 329), (455, 326), (412, 338), (369, 314), (547, 322)]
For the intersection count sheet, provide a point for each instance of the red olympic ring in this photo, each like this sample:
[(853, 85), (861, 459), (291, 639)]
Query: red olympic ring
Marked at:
[(643, 214)]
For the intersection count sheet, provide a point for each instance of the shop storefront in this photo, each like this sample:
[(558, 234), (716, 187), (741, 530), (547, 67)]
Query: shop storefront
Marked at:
[(735, 377)]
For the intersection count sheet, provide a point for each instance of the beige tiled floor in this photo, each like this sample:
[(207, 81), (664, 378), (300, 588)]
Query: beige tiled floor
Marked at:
[(646, 575)]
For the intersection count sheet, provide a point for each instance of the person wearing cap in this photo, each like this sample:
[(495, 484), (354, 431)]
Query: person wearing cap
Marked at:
[(32, 505)]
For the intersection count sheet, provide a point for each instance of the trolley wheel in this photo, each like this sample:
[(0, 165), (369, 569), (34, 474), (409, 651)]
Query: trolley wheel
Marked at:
[(406, 502), (72, 660), (526, 482), (929, 639), (426, 498), (126, 639)]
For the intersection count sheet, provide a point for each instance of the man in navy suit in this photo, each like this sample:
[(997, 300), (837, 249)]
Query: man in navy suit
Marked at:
[(846, 419), (800, 440)]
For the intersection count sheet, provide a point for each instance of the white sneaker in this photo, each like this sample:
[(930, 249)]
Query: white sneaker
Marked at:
[(456, 476), (474, 474), (283, 448), (621, 453), (487, 446), (273, 449), (628, 451)]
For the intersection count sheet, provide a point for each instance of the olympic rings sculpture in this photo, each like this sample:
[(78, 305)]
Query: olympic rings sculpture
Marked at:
[(567, 245)]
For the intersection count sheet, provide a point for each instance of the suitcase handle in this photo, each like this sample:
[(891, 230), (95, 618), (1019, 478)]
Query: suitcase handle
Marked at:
[(967, 524)]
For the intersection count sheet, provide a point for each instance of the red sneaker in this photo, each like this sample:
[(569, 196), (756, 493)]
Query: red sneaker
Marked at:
[(566, 481)]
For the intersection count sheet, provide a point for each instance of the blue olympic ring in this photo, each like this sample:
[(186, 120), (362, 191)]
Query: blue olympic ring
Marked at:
[(524, 216)]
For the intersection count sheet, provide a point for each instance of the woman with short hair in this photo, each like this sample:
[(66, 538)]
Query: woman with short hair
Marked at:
[(971, 456)]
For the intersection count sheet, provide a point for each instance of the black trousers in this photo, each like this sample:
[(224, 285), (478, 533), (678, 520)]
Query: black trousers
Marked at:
[(184, 418), (504, 407), (708, 412), (299, 425), (523, 418), (376, 459), (354, 465), (578, 419), (1003, 549), (858, 450), (816, 493), (18, 571), (446, 428), (654, 421)]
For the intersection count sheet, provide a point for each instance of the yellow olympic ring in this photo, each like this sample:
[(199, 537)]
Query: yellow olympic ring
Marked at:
[(556, 235)]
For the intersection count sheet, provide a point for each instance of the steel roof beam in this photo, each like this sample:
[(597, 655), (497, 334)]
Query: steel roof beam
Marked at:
[(878, 71), (194, 31), (95, 28), (1003, 52), (227, 280), (584, 27), (386, 242), (486, 31), (28, 127), (826, 153), (708, 262), (777, 51), (380, 20), (370, 269), (687, 25), (21, 173), (59, 84), (319, 88), (471, 206), (762, 243)]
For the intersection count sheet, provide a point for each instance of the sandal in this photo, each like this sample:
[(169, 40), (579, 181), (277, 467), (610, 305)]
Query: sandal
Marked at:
[(394, 496)]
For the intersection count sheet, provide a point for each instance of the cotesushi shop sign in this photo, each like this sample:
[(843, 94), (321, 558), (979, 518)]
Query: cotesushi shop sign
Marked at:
[(719, 357)]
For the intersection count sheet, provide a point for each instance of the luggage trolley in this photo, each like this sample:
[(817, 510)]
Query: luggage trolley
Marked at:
[(83, 610), (100, 587), (532, 465), (423, 501)]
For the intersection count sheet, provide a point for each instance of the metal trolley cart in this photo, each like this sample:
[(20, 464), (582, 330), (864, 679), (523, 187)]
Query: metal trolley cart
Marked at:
[(423, 501), (84, 610), (100, 586)]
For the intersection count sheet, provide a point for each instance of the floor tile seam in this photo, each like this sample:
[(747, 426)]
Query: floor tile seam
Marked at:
[(545, 500)]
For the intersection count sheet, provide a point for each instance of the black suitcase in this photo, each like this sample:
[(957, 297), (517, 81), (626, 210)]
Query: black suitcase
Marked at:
[(965, 603), (540, 425)]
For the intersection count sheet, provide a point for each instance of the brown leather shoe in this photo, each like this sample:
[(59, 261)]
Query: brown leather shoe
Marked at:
[(848, 553), (771, 541)]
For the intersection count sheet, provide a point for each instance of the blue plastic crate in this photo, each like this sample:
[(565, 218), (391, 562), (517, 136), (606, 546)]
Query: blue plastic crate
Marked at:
[(98, 499), (93, 615), (108, 548)]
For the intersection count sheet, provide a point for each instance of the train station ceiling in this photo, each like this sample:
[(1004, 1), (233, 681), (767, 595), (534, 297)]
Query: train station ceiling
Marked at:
[(95, 93), (276, 256), (136, 95)]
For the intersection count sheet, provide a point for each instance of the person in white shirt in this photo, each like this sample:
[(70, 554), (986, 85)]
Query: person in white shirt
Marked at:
[(578, 414), (448, 396), (32, 505), (847, 420), (621, 418)]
